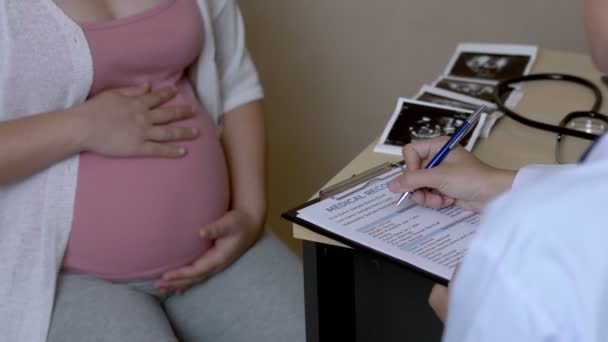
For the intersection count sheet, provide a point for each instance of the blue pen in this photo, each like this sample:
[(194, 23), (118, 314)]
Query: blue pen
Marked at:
[(462, 131)]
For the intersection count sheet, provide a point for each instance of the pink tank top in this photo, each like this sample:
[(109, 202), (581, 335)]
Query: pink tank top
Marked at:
[(135, 218)]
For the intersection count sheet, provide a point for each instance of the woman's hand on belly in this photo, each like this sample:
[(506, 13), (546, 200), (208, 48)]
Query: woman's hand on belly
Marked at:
[(232, 235), (130, 122)]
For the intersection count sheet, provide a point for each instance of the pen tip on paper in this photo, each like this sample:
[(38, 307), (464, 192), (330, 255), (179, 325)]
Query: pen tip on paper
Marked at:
[(402, 198)]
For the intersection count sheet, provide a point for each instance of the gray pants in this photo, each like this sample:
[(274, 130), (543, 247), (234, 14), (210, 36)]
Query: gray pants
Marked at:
[(259, 298)]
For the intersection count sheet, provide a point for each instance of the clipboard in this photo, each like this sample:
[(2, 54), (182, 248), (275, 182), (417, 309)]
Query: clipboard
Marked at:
[(344, 188)]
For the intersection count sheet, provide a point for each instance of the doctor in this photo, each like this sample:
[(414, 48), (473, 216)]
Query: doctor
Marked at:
[(537, 268)]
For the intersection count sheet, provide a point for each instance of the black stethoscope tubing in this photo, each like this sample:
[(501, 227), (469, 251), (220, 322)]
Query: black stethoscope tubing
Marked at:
[(506, 85)]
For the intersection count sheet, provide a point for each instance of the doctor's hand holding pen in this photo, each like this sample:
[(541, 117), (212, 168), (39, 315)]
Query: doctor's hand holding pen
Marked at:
[(461, 178)]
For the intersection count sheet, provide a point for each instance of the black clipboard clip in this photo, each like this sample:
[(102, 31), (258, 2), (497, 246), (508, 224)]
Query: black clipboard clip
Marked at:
[(365, 178)]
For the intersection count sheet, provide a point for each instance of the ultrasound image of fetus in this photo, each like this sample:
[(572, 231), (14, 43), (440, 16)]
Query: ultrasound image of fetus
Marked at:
[(487, 66), (427, 128)]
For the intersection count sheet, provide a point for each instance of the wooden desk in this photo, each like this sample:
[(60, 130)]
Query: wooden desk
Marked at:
[(352, 295)]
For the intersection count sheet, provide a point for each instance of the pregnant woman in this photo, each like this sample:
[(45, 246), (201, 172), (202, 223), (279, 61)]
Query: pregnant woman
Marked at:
[(132, 192)]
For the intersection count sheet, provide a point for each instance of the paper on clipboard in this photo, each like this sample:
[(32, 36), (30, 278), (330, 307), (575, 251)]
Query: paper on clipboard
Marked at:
[(429, 241)]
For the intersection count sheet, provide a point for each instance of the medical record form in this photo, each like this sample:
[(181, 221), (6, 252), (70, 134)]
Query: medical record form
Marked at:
[(432, 242)]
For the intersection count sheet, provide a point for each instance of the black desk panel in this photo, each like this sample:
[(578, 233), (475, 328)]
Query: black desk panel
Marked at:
[(354, 295)]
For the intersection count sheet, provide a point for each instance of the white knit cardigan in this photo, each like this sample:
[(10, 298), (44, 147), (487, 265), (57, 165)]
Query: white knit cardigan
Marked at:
[(46, 65)]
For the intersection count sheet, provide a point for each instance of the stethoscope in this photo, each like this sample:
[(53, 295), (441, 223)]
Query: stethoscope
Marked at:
[(589, 118)]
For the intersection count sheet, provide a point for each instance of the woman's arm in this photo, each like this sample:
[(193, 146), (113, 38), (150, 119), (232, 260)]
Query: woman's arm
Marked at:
[(120, 123), (36, 142), (243, 122), (242, 119), (245, 146)]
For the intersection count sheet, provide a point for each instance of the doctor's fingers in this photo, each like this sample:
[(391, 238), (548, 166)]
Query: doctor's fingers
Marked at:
[(432, 199), (412, 180), (418, 153)]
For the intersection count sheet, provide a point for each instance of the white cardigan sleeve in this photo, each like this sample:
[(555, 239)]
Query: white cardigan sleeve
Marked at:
[(238, 79)]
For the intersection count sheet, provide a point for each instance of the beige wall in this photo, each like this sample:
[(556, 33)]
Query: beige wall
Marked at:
[(333, 70)]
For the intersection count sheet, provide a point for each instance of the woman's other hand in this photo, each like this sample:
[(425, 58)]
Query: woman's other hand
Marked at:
[(461, 178), (129, 122), (232, 235)]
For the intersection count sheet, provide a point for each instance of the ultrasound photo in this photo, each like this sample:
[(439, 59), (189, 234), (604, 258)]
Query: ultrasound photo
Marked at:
[(446, 101), (478, 90), (489, 66), (466, 83), (417, 121)]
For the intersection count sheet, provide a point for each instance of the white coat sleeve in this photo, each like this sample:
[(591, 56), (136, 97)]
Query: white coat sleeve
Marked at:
[(532, 173)]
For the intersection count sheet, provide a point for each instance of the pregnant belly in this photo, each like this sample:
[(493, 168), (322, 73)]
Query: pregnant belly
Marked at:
[(135, 218)]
